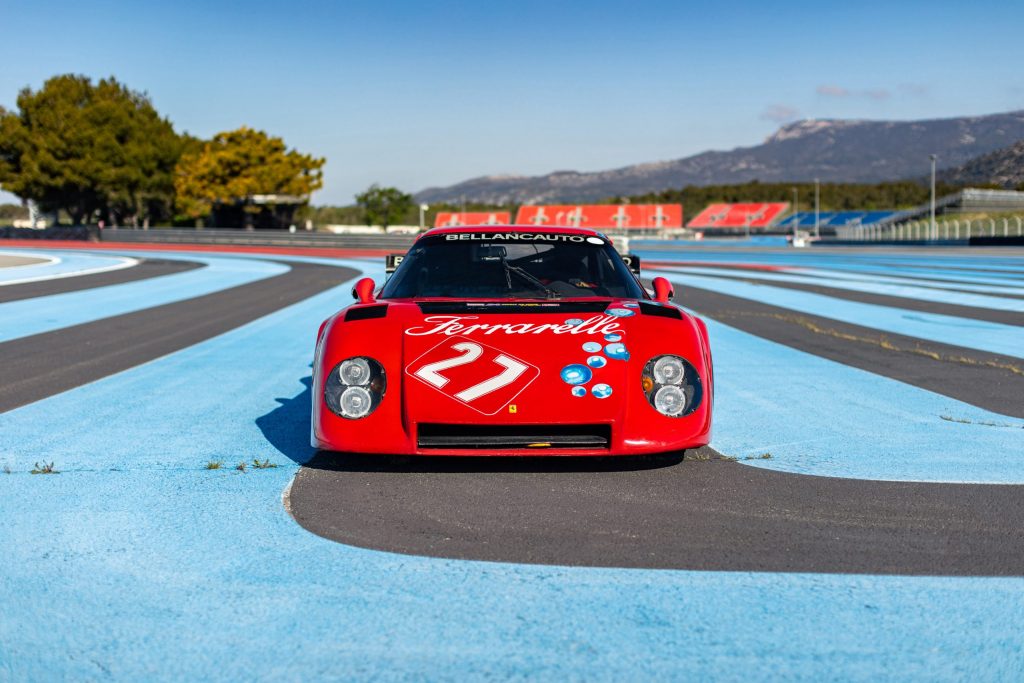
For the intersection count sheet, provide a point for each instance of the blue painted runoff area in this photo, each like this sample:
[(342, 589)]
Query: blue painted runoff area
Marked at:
[(43, 314), (889, 286), (135, 563), (948, 281), (819, 417), (946, 329), (640, 245), (973, 267), (60, 263)]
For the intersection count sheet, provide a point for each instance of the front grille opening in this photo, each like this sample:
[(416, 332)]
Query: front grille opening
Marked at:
[(526, 437)]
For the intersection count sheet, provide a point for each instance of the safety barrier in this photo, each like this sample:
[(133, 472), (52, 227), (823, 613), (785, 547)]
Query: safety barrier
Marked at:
[(955, 229), (258, 238)]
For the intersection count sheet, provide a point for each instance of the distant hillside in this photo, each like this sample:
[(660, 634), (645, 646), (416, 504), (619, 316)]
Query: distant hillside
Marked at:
[(832, 150), (1003, 167)]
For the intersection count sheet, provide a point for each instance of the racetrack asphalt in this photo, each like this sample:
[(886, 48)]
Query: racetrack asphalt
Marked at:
[(9, 261), (52, 362), (976, 313), (154, 567), (146, 268), (701, 513), (988, 380)]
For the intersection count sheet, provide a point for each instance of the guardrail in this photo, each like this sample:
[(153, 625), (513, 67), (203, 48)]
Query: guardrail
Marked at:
[(945, 230), (258, 238)]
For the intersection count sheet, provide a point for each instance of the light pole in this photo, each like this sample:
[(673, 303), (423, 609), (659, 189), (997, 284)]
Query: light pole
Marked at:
[(796, 210), (931, 233), (423, 209), (817, 208)]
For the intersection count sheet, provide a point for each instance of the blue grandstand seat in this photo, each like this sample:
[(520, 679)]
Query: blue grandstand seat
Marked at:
[(836, 219)]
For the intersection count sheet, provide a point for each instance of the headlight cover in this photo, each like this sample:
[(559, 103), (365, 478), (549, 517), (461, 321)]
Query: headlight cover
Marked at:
[(671, 385), (355, 387)]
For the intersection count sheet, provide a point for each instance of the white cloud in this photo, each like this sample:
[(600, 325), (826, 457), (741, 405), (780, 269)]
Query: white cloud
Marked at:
[(780, 113), (828, 90), (914, 89), (832, 91)]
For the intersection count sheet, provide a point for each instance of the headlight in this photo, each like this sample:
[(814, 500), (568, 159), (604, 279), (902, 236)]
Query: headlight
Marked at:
[(672, 385), (670, 400), (355, 371), (669, 370), (355, 387), (356, 402)]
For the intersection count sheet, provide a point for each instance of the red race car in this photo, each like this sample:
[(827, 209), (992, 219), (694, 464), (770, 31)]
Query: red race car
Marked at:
[(512, 341)]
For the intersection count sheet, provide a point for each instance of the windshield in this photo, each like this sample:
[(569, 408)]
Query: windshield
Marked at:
[(512, 266)]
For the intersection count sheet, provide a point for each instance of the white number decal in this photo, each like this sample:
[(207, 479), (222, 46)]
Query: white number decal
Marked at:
[(431, 373), (513, 369)]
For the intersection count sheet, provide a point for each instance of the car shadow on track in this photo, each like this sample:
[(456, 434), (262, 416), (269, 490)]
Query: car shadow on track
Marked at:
[(287, 429), (357, 462)]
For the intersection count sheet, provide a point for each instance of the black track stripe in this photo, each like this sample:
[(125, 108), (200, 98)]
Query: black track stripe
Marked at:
[(956, 310), (962, 269), (917, 281), (52, 362), (146, 268), (964, 287), (990, 381), (696, 515)]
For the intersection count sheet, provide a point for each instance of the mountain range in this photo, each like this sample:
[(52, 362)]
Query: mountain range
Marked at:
[(1003, 167), (834, 150)]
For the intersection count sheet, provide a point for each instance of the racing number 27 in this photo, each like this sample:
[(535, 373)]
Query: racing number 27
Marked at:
[(470, 352)]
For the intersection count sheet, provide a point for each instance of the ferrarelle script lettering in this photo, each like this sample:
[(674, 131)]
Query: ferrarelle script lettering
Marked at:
[(453, 324)]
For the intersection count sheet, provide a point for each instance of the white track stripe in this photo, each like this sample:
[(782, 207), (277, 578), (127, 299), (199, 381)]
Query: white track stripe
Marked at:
[(122, 262)]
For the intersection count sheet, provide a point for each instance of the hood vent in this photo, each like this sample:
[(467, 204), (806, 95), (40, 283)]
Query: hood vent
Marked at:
[(662, 311), (366, 312)]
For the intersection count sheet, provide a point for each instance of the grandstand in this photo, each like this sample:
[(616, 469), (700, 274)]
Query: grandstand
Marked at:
[(838, 219), (968, 200), (757, 215), (447, 219), (624, 217)]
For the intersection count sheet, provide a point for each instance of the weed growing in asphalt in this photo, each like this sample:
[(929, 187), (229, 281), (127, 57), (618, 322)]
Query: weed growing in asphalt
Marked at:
[(241, 466), (763, 456), (264, 465), (730, 458), (983, 423), (698, 455), (214, 465), (45, 468)]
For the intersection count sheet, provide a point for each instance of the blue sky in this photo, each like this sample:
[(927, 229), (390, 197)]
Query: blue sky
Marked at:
[(415, 94)]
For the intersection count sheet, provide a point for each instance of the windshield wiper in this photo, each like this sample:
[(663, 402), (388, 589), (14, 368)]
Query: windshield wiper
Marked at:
[(527, 277)]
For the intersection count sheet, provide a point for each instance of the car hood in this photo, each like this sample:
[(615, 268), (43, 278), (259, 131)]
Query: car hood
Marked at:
[(522, 362)]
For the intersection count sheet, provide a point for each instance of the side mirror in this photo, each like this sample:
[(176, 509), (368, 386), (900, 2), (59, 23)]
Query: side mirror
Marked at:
[(363, 291), (662, 290)]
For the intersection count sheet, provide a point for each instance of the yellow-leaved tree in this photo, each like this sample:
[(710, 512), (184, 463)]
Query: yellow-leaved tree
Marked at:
[(235, 166)]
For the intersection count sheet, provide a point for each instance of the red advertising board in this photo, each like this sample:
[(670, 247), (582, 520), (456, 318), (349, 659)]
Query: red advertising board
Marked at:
[(604, 216), (449, 219), (749, 215)]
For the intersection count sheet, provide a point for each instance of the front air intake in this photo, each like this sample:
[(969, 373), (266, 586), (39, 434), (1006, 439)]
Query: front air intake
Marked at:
[(513, 437)]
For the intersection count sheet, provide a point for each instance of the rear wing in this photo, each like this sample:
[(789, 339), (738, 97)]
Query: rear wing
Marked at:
[(392, 261), (633, 262)]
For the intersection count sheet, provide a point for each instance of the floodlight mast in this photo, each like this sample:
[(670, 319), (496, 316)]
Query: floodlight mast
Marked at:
[(817, 208), (932, 231), (796, 210)]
